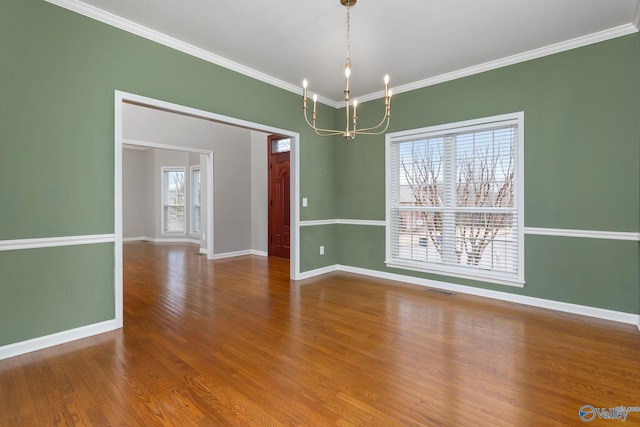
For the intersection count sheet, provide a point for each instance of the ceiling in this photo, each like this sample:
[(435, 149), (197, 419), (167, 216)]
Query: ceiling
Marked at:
[(415, 41)]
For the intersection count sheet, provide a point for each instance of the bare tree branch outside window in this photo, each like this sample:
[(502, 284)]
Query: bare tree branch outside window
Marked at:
[(484, 174), (174, 203), (423, 177), (478, 186)]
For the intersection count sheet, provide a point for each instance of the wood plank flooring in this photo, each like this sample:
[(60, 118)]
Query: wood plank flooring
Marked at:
[(235, 342)]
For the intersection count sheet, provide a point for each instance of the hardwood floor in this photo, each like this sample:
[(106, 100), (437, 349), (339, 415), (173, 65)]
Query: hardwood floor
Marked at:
[(234, 342)]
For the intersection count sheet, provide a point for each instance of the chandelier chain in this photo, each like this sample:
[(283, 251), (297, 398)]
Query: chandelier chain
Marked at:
[(348, 33)]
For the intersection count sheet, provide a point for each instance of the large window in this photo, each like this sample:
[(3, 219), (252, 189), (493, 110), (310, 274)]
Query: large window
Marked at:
[(195, 200), (173, 200), (455, 199)]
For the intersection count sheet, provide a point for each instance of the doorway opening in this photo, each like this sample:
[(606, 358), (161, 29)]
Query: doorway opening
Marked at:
[(122, 98)]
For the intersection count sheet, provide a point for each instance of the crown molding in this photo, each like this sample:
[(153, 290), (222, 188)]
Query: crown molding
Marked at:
[(577, 42), (156, 36)]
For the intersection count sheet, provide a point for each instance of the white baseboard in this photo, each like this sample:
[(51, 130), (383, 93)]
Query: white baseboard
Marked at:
[(16, 349), (174, 240), (239, 253), (600, 313), (317, 272), (135, 239), (231, 254)]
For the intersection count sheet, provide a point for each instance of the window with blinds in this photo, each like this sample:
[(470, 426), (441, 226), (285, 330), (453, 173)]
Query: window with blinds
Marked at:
[(173, 200), (195, 200), (455, 199)]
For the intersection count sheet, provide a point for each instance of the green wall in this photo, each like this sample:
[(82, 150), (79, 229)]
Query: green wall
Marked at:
[(50, 290), (58, 74), (582, 169)]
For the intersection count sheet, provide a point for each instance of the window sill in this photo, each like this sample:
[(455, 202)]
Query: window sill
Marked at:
[(494, 278)]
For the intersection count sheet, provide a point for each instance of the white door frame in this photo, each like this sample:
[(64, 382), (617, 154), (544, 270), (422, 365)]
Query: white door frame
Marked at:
[(125, 97)]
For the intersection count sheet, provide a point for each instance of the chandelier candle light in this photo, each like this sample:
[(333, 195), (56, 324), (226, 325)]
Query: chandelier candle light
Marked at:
[(351, 118)]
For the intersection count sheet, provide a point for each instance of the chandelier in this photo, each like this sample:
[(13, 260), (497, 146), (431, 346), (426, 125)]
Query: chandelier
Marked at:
[(351, 129)]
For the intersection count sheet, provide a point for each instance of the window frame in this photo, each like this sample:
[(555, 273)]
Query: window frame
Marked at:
[(195, 194), (516, 279), (164, 195)]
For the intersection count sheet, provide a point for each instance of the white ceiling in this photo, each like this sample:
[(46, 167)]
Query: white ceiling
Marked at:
[(412, 40)]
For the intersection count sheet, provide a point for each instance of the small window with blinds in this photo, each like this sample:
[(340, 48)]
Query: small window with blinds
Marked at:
[(455, 199)]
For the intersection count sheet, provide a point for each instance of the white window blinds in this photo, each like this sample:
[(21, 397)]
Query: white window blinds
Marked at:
[(173, 200), (454, 200)]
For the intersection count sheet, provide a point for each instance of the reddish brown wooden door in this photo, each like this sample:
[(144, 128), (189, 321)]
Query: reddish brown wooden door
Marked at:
[(279, 207)]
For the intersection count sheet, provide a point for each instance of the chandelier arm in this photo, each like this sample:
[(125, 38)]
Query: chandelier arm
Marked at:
[(327, 132), (368, 131), (372, 130), (321, 131), (385, 118)]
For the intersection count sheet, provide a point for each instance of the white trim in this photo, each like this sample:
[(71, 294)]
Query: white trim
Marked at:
[(231, 254), (374, 223), (313, 223), (209, 232), (117, 207), (192, 221), (466, 125), (575, 43), (135, 239), (16, 349), (240, 253), (636, 23), (138, 144), (591, 234), (318, 272), (142, 31), (294, 214), (177, 108), (176, 240), (535, 231), (600, 313), (50, 242)]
